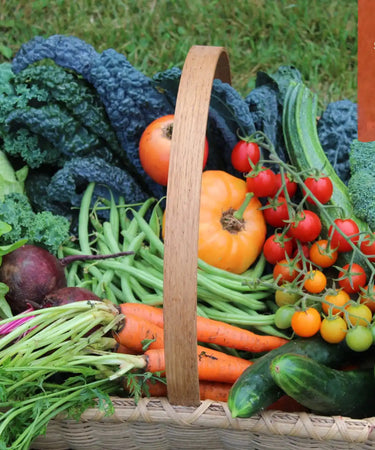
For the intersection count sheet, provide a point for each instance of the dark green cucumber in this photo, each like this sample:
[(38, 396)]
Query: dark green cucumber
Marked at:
[(255, 389), (305, 150), (325, 390)]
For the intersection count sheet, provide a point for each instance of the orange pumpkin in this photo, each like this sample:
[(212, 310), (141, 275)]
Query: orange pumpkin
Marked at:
[(225, 241)]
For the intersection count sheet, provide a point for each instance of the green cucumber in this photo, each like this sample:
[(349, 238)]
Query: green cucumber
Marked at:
[(255, 389), (306, 153), (325, 390)]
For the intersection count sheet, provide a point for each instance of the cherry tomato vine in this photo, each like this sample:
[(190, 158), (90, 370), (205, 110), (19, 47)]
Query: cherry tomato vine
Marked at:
[(323, 276)]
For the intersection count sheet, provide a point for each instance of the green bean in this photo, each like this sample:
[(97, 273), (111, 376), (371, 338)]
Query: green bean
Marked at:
[(114, 218), (124, 221), (146, 278), (83, 219), (110, 238)]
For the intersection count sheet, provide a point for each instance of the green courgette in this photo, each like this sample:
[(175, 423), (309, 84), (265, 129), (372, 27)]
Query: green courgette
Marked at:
[(255, 389), (324, 390), (306, 153)]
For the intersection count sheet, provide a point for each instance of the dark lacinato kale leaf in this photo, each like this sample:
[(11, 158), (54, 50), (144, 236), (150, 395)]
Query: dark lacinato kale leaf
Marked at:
[(64, 137), (337, 129), (228, 117), (130, 98), (265, 103), (77, 97), (64, 189), (52, 115)]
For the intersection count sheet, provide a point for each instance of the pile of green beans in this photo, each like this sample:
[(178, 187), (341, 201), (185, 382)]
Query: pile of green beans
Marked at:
[(240, 299)]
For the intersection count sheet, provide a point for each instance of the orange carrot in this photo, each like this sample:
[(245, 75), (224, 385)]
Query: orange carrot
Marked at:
[(135, 330), (213, 331), (120, 348), (213, 365), (208, 390), (151, 313)]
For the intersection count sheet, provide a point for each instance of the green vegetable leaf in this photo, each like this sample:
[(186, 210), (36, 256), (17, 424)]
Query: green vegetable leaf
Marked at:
[(5, 310), (10, 181)]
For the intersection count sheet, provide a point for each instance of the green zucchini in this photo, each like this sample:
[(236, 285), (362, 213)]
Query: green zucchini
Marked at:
[(305, 151), (255, 389), (325, 390)]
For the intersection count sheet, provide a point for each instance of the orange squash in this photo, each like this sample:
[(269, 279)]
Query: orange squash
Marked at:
[(225, 241)]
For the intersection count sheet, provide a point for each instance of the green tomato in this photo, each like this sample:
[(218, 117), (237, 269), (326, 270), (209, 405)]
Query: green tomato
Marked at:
[(359, 338), (283, 316)]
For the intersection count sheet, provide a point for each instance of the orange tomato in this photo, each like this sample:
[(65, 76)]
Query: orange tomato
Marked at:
[(155, 146), (322, 256), (340, 298), (306, 323), (224, 241), (315, 281)]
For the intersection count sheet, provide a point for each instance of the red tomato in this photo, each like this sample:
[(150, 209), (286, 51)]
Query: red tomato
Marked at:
[(154, 148), (276, 212), (242, 152), (321, 188), (290, 186), (286, 271), (306, 227), (262, 182), (352, 277), (368, 247), (349, 230), (276, 247)]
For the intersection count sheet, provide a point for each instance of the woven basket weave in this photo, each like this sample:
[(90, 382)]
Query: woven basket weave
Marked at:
[(182, 421)]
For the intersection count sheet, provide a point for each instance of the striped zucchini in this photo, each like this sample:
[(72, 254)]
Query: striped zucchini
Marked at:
[(305, 151), (324, 390)]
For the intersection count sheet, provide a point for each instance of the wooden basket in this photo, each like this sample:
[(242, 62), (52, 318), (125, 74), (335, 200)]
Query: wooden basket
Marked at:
[(182, 421)]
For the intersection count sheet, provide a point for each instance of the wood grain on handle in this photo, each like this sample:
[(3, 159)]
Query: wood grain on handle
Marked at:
[(202, 65)]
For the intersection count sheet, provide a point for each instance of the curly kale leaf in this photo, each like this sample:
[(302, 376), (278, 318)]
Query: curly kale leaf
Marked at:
[(40, 228), (337, 128), (6, 75), (130, 98)]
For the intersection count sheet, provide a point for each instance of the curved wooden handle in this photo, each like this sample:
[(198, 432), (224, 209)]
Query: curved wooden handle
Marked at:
[(202, 65)]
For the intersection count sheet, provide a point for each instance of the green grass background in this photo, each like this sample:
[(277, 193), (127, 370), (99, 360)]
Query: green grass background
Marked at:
[(317, 37)]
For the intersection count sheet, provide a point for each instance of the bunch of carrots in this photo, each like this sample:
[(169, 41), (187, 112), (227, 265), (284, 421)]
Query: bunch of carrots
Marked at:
[(217, 369), (63, 358)]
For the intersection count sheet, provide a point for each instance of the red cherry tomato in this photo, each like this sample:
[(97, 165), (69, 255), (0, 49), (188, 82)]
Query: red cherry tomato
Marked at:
[(285, 271), (276, 212), (277, 247), (154, 148), (368, 247), (290, 186), (306, 227), (262, 182), (349, 230), (352, 278), (242, 152), (321, 188)]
